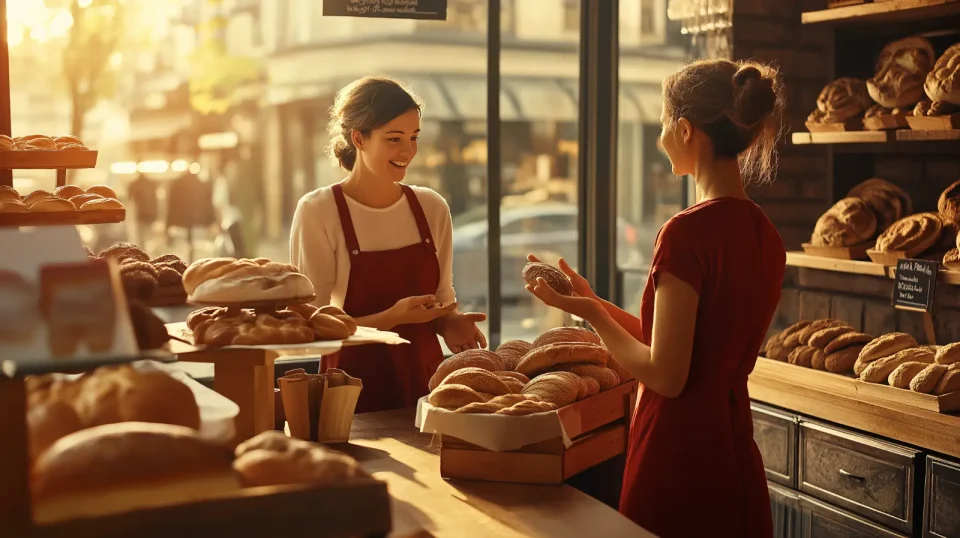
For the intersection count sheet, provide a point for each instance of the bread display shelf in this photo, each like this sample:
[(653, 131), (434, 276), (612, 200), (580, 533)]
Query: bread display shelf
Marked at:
[(934, 123), (889, 257), (881, 12), (843, 137), (855, 252), (597, 426), (847, 126), (47, 160), (808, 261), (915, 135), (63, 218)]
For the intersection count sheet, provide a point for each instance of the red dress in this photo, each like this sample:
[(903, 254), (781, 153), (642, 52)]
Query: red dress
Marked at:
[(394, 377), (693, 469)]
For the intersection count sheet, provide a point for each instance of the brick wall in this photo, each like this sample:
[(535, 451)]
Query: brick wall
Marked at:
[(809, 181)]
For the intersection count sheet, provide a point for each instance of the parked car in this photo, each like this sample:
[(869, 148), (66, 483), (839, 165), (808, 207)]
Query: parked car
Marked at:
[(547, 229)]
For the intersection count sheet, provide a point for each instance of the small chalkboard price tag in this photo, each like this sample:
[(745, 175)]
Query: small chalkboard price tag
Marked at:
[(914, 284), (431, 10)]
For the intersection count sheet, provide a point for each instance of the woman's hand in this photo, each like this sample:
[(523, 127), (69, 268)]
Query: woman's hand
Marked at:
[(580, 285), (460, 331), (588, 308), (415, 310)]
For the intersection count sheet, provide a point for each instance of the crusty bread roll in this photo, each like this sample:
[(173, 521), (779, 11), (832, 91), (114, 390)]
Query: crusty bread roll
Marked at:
[(102, 190), (100, 204), (843, 99), (327, 327), (849, 222), (804, 355), (949, 202), (452, 397), (943, 82), (915, 233), (13, 206), (950, 382), (512, 351), (122, 394), (51, 205), (8, 193), (209, 269), (926, 381), (588, 387), (480, 358), (560, 388), (48, 421), (37, 195), (567, 335), (271, 458), (554, 277), (879, 370), (80, 199), (477, 379), (886, 345), (118, 468), (269, 286), (842, 361), (863, 189), (804, 336), (847, 340), (546, 357), (901, 71), (948, 354), (822, 338), (67, 191), (902, 375), (605, 377)]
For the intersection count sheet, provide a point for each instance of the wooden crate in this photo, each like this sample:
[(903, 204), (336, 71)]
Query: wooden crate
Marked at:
[(603, 422)]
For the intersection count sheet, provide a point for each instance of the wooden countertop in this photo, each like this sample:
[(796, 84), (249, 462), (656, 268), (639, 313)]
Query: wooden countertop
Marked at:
[(390, 448), (936, 432)]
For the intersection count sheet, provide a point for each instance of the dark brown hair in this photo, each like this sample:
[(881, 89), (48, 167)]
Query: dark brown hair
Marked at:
[(364, 105), (738, 105)]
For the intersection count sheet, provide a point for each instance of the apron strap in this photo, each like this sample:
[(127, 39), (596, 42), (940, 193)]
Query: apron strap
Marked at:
[(418, 215), (346, 223)]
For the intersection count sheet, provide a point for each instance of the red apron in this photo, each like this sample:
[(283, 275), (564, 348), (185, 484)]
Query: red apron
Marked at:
[(394, 377)]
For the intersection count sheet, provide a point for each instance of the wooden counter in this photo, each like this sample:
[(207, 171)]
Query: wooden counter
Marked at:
[(390, 448), (921, 428)]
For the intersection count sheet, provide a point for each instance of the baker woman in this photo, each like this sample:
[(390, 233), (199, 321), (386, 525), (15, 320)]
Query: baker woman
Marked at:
[(382, 250)]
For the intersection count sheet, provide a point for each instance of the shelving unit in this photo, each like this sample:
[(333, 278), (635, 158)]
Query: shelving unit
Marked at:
[(883, 12), (857, 267)]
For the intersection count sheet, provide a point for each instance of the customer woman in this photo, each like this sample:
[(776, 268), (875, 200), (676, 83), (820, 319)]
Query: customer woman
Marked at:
[(692, 467), (382, 250)]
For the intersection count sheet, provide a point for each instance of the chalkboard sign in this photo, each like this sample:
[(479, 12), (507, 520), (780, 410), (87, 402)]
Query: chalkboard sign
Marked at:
[(915, 283), (431, 10)]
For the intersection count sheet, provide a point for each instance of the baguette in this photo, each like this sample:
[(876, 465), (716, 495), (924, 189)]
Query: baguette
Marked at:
[(926, 381), (878, 371)]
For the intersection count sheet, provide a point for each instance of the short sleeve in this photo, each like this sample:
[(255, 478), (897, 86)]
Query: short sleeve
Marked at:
[(679, 252), (311, 250)]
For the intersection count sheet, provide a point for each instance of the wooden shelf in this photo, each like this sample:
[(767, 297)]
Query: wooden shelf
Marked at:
[(883, 12), (802, 259), (843, 137), (63, 218), (47, 160), (909, 135)]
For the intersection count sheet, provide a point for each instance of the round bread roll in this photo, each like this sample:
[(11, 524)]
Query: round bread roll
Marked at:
[(843, 99), (101, 204), (548, 357), (849, 222), (67, 191), (44, 143), (51, 205), (847, 339), (864, 188), (7, 143), (271, 459), (480, 358), (479, 380), (80, 199), (943, 82), (915, 233), (605, 377), (37, 195), (567, 335), (8, 194), (103, 191), (119, 468), (67, 139), (512, 351), (13, 206), (560, 388), (553, 277), (902, 375), (949, 202), (48, 421), (452, 397), (926, 381), (588, 387), (902, 69), (948, 354)]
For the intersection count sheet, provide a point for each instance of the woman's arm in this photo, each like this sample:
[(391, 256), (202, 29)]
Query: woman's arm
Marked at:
[(664, 366), (628, 321)]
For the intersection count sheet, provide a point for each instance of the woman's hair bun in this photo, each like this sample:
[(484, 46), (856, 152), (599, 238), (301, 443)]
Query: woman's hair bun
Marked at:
[(754, 97)]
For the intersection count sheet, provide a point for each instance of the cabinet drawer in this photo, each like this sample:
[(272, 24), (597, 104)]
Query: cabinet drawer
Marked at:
[(871, 478), (776, 436), (941, 506), (820, 520), (785, 508)]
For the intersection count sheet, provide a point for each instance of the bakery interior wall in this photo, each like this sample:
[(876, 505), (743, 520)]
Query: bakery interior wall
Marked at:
[(812, 177)]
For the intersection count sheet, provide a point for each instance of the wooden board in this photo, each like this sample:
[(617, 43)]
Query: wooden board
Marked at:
[(810, 261), (63, 218), (934, 123), (847, 126), (49, 160), (885, 123), (856, 252), (800, 139), (889, 11), (888, 258), (851, 137), (945, 403), (910, 135)]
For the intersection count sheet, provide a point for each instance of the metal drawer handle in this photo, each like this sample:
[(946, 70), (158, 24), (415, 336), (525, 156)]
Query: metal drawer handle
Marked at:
[(852, 476)]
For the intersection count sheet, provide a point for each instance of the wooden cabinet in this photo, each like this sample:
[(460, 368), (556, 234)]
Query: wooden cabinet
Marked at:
[(821, 520), (866, 476), (941, 503), (775, 433), (785, 506)]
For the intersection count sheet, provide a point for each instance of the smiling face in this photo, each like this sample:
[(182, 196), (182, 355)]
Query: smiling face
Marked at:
[(676, 138), (389, 149)]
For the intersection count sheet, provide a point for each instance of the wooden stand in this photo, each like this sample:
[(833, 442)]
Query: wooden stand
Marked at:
[(885, 123), (61, 161), (604, 423), (855, 252)]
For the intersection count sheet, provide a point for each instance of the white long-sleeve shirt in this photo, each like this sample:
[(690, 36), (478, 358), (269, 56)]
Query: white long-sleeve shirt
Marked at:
[(319, 250)]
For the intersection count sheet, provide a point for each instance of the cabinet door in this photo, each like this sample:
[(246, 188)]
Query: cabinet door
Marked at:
[(941, 506), (871, 478), (785, 506), (820, 520), (776, 436)]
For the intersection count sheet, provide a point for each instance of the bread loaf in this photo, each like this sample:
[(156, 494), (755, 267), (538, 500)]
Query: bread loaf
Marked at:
[(551, 275), (949, 202), (560, 388), (51, 205), (567, 335), (948, 354), (804, 335), (843, 99), (926, 381), (915, 233), (902, 69), (102, 190), (884, 346), (865, 188), (878, 371), (549, 356), (66, 192), (477, 379), (265, 283), (327, 327), (605, 377), (803, 356), (48, 421), (98, 204), (118, 468), (822, 338), (271, 458), (479, 358), (588, 387), (902, 375), (943, 82), (842, 361), (950, 382), (512, 351), (848, 339), (452, 397), (849, 222)]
